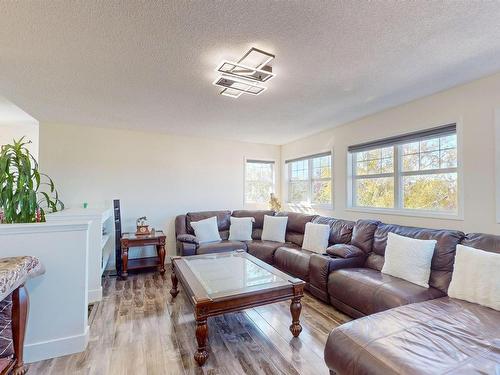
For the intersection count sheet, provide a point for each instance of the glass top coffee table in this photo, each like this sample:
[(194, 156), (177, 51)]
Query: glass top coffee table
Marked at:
[(220, 283)]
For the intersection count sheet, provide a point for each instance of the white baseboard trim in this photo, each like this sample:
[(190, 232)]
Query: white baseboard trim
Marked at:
[(56, 348), (95, 295)]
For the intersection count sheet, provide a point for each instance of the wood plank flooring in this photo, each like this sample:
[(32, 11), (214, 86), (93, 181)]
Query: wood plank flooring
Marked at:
[(138, 329)]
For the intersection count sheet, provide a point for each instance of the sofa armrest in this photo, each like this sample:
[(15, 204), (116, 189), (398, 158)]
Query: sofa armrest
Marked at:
[(180, 225), (189, 238), (320, 267), (345, 251), (186, 248)]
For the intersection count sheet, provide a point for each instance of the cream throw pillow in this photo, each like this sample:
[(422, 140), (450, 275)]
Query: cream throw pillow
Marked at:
[(274, 228), (476, 277), (206, 230), (316, 237), (409, 259), (241, 228)]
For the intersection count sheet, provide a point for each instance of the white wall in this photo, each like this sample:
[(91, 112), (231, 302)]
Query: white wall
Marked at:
[(472, 106), (153, 174)]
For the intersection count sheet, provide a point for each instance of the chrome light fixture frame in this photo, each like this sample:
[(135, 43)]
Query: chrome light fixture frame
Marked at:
[(245, 73)]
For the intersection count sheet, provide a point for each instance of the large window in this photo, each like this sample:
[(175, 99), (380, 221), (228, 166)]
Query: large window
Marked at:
[(259, 181), (310, 180), (416, 172)]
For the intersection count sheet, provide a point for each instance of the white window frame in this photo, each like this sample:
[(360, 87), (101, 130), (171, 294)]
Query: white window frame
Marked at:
[(310, 181), (398, 176), (246, 159)]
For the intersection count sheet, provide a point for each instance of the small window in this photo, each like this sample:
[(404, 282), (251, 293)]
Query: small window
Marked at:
[(415, 172), (310, 180), (259, 181)]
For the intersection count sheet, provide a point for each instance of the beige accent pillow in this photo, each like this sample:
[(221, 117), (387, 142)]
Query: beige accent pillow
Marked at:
[(476, 277), (316, 237), (274, 228), (409, 259), (206, 230)]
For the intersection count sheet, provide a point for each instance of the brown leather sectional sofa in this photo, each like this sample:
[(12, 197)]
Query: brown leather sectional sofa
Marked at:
[(403, 328), (289, 257)]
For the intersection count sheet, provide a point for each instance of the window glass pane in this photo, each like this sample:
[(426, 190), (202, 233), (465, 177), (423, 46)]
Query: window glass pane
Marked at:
[(386, 166), (373, 166), (436, 192), (299, 170), (429, 145), (321, 167), (448, 158), (410, 148), (298, 191), (411, 162), (362, 167), (375, 161), (375, 192), (321, 192), (429, 160), (374, 154), (259, 182), (449, 141), (361, 156), (388, 152)]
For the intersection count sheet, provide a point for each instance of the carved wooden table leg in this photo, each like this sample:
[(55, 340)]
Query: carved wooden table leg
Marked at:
[(20, 303), (174, 291), (124, 262), (161, 255), (201, 354), (295, 309)]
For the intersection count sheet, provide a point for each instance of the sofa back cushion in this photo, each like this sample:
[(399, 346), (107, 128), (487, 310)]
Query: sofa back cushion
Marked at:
[(296, 226), (340, 230), (258, 215), (444, 253), (482, 241), (362, 234), (223, 221)]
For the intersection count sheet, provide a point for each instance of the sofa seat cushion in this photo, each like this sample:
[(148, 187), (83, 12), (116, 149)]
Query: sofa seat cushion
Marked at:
[(264, 250), (441, 336), (220, 247), (293, 260), (369, 291)]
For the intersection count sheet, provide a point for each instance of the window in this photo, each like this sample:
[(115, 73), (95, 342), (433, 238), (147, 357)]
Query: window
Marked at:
[(259, 181), (310, 179), (417, 171)]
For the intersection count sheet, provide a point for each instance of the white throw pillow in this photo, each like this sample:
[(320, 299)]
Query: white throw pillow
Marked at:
[(409, 259), (274, 228), (316, 237), (206, 230), (241, 228), (476, 277)]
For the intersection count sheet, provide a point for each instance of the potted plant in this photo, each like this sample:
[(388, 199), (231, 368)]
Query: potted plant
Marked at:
[(25, 193)]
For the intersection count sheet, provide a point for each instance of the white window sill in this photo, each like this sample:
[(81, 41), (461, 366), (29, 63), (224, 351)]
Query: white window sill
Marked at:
[(310, 206), (411, 213)]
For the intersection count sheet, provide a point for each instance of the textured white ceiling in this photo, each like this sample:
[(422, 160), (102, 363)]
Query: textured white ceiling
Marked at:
[(150, 65)]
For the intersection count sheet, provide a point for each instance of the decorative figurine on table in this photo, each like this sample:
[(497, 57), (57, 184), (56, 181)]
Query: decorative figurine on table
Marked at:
[(142, 226), (274, 203)]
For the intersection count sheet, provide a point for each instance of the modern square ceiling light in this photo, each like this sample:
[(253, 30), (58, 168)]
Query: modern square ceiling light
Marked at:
[(246, 75)]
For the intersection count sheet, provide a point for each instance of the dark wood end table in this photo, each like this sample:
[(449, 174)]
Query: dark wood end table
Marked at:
[(129, 240), (225, 282)]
